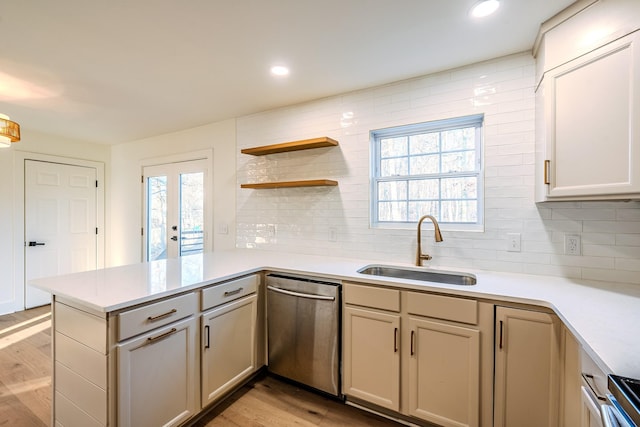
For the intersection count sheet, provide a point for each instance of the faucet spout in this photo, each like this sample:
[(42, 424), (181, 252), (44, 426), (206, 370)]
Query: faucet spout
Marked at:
[(437, 235)]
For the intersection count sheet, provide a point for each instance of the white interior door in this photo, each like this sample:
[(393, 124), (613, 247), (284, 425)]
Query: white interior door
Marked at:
[(175, 201), (60, 223)]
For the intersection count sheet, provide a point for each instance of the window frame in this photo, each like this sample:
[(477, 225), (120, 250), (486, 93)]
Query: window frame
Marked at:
[(476, 120)]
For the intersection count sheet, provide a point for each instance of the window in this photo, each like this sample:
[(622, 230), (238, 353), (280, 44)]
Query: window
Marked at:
[(428, 168)]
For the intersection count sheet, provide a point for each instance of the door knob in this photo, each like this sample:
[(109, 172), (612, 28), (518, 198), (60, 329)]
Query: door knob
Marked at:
[(174, 238), (36, 244)]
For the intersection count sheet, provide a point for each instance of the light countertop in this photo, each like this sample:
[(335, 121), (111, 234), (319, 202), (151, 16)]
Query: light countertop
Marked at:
[(603, 317)]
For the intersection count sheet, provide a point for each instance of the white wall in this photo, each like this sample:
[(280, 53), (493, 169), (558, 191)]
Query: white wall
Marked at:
[(12, 227), (126, 190), (502, 89)]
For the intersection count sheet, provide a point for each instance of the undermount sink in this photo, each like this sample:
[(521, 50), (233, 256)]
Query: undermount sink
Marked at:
[(448, 277)]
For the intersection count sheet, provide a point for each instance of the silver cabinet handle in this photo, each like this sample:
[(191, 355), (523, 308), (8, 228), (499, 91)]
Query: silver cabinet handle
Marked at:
[(591, 382), (229, 293), (300, 294), (159, 337), (160, 316)]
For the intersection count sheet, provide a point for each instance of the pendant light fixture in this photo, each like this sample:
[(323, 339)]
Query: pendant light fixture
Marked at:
[(9, 131)]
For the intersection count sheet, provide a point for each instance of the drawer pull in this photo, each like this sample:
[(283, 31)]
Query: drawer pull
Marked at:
[(160, 316), (159, 337), (395, 340), (229, 293), (588, 378)]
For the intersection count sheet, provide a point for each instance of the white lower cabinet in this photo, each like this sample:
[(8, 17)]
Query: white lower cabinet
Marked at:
[(527, 368), (421, 355), (593, 389), (371, 356), (444, 373), (590, 414), (157, 382), (228, 347)]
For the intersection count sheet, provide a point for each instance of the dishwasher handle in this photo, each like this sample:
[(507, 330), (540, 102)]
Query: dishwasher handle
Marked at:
[(300, 294)]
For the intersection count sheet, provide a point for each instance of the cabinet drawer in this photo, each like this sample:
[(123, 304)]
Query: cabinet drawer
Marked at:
[(442, 307), (148, 317), (369, 296), (229, 291)]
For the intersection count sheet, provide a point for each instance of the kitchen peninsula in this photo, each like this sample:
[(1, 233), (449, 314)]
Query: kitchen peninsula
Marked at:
[(99, 319)]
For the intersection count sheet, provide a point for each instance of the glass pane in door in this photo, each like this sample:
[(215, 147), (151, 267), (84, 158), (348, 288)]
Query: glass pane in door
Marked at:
[(191, 213), (157, 218)]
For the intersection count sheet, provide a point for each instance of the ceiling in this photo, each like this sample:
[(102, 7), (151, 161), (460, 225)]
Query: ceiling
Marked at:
[(121, 70)]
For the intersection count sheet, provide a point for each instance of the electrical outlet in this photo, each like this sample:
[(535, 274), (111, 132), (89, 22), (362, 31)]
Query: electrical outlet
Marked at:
[(513, 242), (572, 244)]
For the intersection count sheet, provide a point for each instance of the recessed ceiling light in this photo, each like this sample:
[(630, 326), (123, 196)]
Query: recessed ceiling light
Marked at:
[(484, 8), (279, 70)]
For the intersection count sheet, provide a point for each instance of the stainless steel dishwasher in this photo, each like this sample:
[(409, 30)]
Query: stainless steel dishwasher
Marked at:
[(303, 322)]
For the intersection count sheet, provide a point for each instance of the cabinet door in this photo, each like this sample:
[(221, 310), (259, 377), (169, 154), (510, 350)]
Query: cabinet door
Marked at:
[(590, 416), (571, 380), (228, 347), (593, 125), (157, 376), (527, 359), (444, 366), (372, 356)]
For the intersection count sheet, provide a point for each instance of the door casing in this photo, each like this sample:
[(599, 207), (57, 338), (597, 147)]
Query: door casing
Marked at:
[(17, 304)]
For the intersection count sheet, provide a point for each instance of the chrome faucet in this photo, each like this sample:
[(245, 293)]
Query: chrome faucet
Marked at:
[(438, 236)]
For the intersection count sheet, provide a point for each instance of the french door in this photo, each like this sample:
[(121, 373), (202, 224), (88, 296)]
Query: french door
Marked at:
[(175, 209)]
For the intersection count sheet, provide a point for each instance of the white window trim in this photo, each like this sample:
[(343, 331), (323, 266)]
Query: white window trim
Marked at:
[(417, 128)]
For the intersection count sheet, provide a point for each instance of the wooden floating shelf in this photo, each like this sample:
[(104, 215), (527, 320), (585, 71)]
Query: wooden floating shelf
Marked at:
[(284, 147), (291, 184)]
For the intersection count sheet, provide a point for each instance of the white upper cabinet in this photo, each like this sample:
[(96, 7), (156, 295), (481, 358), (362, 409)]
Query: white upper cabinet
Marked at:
[(588, 123)]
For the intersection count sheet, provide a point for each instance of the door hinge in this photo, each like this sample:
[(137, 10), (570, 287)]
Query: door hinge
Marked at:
[(96, 230), (142, 231), (96, 183), (142, 179)]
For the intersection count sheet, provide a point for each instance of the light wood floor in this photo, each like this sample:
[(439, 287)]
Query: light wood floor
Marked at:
[(269, 402), (25, 368), (25, 388)]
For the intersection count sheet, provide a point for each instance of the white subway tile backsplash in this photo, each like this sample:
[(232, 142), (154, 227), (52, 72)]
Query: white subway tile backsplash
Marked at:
[(502, 90), (615, 276)]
